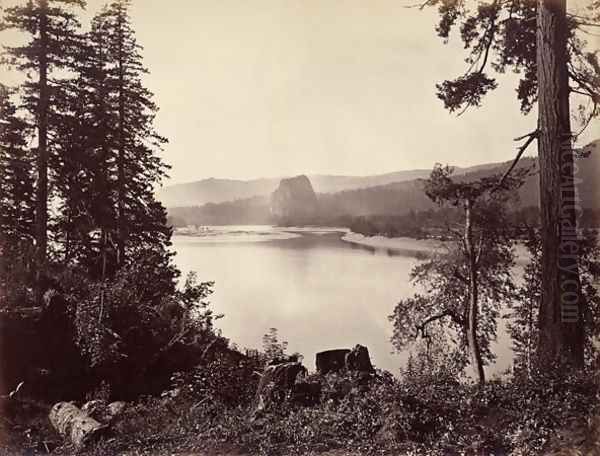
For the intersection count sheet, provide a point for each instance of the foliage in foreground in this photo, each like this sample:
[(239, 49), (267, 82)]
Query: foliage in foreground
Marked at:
[(422, 413)]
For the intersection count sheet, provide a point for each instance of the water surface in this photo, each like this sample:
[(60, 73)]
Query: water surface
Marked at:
[(318, 290)]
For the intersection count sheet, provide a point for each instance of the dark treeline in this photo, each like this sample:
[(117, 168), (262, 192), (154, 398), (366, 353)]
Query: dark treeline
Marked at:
[(249, 211), (432, 223), (418, 224), (85, 264)]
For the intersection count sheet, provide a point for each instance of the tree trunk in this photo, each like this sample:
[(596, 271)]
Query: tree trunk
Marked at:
[(474, 349), (530, 330), (561, 318), (41, 192), (73, 424), (121, 155)]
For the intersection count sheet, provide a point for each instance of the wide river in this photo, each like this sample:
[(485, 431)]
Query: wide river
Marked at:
[(319, 291)]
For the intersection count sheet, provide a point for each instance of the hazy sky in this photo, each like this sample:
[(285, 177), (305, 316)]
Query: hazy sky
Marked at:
[(281, 87)]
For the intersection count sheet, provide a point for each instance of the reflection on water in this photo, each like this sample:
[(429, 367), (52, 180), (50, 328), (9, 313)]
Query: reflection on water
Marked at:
[(319, 291)]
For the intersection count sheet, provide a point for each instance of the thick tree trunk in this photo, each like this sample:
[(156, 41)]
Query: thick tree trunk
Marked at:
[(73, 424), (41, 191), (561, 317), (474, 349)]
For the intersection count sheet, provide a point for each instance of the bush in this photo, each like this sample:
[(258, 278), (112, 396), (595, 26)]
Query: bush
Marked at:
[(358, 413), (131, 331)]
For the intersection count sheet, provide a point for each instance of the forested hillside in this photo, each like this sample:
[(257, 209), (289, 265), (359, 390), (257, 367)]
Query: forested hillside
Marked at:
[(392, 200), (222, 190)]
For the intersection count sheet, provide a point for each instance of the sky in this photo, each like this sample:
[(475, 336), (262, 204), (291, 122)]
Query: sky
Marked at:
[(268, 88)]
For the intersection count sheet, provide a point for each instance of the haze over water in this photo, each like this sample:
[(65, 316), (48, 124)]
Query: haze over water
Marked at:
[(319, 291)]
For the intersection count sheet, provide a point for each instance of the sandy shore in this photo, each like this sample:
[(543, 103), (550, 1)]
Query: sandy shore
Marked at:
[(399, 243), (228, 234)]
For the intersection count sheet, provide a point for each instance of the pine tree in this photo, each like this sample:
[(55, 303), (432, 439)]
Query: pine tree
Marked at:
[(540, 41), (86, 163), (16, 204), (16, 178), (130, 143), (51, 26)]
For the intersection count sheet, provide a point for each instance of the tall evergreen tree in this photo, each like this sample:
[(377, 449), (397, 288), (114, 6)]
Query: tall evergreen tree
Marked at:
[(51, 26), (86, 162), (130, 145), (538, 40), (16, 203)]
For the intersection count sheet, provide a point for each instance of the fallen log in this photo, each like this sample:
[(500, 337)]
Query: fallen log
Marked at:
[(73, 424), (102, 412)]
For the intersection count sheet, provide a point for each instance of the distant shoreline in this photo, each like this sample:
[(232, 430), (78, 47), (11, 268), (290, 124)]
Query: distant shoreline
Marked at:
[(258, 233), (395, 243)]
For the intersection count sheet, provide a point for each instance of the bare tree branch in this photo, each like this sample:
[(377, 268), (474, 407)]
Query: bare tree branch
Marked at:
[(530, 138), (420, 6)]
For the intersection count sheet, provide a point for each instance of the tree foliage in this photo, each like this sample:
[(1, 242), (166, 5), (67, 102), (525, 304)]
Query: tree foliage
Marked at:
[(16, 204), (51, 28), (500, 36), (463, 287), (95, 164), (544, 43), (524, 311)]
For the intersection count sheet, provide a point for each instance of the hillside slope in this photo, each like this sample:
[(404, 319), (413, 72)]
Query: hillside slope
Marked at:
[(397, 198), (221, 190)]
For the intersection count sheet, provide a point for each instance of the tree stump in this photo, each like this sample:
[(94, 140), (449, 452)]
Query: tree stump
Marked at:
[(73, 424), (358, 359), (331, 360), (276, 382)]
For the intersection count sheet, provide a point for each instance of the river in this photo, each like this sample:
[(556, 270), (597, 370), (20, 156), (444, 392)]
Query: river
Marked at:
[(318, 290)]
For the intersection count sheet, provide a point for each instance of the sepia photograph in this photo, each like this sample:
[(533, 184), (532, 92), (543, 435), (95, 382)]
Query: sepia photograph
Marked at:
[(300, 227)]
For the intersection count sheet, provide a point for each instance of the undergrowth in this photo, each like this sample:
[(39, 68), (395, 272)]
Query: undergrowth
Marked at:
[(423, 415)]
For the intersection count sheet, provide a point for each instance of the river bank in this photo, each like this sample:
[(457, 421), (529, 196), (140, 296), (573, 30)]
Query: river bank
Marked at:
[(398, 243)]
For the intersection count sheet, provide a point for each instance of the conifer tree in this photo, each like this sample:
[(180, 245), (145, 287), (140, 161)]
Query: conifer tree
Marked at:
[(130, 143), (541, 41), (16, 203), (86, 163), (51, 26)]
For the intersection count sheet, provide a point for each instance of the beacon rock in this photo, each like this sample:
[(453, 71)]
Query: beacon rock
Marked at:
[(294, 202)]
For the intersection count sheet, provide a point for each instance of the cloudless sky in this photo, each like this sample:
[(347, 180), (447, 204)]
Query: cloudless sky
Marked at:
[(282, 87)]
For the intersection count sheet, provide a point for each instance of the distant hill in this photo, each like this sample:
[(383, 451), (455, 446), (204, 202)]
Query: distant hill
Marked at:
[(392, 199), (249, 211), (221, 190), (214, 191)]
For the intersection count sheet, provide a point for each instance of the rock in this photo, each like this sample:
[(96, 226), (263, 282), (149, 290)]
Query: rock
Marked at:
[(294, 202), (75, 425), (331, 360), (276, 383), (358, 359)]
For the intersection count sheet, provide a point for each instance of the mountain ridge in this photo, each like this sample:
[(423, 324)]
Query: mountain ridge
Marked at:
[(220, 190), (393, 199)]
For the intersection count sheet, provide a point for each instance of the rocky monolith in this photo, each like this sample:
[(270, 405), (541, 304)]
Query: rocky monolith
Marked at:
[(294, 202)]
